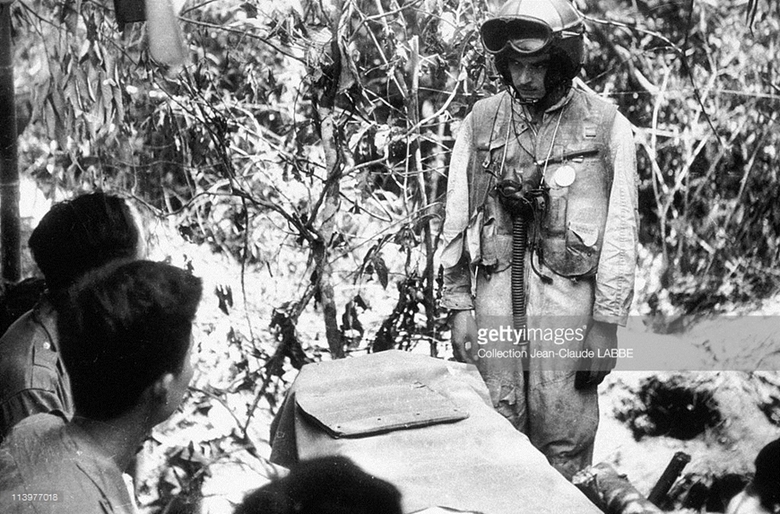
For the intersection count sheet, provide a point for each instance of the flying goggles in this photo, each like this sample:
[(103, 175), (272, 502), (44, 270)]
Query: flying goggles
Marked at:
[(524, 35)]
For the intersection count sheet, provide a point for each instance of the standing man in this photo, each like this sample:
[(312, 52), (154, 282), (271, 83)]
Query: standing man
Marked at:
[(540, 233), (74, 237), (126, 339)]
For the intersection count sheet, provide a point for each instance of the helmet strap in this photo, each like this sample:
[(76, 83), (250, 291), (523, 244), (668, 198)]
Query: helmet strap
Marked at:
[(548, 100)]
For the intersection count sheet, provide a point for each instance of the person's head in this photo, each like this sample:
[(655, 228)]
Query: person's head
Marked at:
[(544, 39), (326, 485), (527, 75), (82, 234), (125, 336), (767, 479), (19, 298)]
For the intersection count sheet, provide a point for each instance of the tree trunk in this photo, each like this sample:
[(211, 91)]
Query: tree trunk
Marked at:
[(10, 247), (327, 214), (413, 115)]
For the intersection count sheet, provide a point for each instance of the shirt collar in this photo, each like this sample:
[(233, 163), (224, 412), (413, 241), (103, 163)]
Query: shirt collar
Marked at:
[(565, 99)]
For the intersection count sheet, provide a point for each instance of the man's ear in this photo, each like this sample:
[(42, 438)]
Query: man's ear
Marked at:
[(161, 388)]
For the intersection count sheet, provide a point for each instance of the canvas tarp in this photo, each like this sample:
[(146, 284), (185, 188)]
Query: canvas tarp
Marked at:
[(425, 425)]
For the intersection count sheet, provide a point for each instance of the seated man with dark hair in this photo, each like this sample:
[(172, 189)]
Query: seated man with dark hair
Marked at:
[(125, 338), (762, 495), (327, 485), (18, 299), (74, 237)]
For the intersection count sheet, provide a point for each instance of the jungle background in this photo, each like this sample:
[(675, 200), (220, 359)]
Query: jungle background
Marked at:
[(298, 163)]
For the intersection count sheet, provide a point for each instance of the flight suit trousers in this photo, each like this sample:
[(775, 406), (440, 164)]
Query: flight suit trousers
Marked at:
[(539, 397)]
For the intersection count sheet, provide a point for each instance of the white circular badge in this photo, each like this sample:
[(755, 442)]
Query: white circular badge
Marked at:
[(564, 176)]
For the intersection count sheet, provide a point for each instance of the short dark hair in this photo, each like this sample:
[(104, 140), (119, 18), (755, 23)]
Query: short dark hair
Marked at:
[(121, 328), (326, 485), (767, 478), (81, 234), (19, 298)]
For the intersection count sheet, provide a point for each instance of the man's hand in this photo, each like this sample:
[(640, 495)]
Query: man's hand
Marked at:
[(464, 335), (601, 338)]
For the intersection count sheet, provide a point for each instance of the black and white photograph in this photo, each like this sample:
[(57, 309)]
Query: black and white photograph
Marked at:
[(389, 257)]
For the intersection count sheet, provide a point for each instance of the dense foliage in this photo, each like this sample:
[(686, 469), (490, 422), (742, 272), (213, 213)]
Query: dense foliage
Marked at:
[(323, 130), (701, 89)]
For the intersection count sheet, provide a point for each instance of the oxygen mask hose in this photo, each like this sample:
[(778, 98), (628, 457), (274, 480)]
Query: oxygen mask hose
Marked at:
[(519, 239), (510, 193)]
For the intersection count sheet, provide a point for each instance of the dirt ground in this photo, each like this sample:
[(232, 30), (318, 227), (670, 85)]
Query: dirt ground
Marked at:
[(720, 415)]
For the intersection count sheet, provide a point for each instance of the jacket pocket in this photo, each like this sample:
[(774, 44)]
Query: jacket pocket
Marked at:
[(570, 248), (582, 253), (485, 243), (488, 243), (474, 236)]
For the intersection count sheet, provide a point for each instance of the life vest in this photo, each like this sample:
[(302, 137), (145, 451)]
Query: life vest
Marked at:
[(571, 153)]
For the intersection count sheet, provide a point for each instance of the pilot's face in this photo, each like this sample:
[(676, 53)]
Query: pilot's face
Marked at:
[(528, 75)]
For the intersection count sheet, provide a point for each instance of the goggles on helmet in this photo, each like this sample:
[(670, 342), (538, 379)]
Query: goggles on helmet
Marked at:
[(525, 36)]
